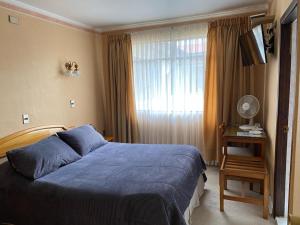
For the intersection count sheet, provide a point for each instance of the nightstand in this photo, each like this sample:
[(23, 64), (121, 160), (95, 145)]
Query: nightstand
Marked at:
[(233, 134), (109, 138)]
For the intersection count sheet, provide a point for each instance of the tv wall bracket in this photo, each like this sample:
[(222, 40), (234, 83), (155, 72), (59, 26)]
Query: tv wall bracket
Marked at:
[(269, 25)]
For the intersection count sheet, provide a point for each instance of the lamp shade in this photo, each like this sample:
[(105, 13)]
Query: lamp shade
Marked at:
[(76, 73), (69, 73)]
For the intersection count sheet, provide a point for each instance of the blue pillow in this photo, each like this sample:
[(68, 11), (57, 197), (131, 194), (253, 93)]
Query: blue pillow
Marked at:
[(83, 139), (41, 158)]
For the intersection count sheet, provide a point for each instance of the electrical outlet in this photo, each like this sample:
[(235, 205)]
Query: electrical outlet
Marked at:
[(26, 119), (72, 103)]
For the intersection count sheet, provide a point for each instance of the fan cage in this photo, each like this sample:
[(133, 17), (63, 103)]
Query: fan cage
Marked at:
[(253, 103)]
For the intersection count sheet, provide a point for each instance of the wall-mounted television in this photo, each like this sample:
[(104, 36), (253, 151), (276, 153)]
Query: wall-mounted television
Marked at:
[(252, 46)]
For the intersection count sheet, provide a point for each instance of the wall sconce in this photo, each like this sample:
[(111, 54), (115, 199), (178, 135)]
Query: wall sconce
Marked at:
[(70, 72)]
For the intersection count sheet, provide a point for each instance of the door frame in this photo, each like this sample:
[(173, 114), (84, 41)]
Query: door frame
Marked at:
[(286, 21)]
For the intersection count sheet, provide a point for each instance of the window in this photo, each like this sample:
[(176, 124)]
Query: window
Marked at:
[(169, 68)]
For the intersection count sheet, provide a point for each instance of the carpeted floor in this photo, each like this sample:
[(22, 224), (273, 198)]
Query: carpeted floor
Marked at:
[(236, 213)]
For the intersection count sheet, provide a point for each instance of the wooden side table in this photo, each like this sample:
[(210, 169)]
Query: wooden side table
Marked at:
[(109, 138), (231, 134)]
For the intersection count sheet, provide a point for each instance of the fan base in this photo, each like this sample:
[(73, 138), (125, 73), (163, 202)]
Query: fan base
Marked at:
[(247, 127)]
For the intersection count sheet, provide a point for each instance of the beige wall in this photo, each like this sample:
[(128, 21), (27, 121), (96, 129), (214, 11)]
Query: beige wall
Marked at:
[(295, 186), (32, 57), (277, 8)]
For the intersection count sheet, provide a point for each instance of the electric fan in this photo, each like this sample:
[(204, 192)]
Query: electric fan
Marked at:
[(248, 107)]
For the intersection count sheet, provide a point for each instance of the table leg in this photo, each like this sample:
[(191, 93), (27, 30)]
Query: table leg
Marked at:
[(262, 150), (222, 191), (261, 186), (266, 197)]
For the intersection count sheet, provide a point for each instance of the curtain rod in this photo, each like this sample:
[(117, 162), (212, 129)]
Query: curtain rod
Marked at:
[(130, 30)]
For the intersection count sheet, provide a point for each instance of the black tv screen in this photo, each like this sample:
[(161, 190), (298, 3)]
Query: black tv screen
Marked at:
[(253, 47)]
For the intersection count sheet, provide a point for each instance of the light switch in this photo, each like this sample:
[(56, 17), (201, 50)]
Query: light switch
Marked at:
[(13, 19), (26, 118), (72, 103)]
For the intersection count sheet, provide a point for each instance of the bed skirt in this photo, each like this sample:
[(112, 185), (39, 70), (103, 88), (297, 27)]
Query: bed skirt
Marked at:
[(195, 201)]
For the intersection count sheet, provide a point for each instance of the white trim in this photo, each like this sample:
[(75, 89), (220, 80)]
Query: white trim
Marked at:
[(281, 220), (248, 9), (270, 205), (45, 13)]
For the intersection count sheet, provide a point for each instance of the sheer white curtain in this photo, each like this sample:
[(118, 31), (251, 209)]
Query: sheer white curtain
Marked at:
[(169, 68)]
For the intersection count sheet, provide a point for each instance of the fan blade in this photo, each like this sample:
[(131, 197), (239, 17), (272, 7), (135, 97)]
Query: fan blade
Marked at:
[(250, 100), (253, 110), (242, 110), (252, 106)]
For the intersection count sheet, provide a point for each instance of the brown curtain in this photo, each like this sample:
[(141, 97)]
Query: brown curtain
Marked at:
[(121, 95), (226, 79)]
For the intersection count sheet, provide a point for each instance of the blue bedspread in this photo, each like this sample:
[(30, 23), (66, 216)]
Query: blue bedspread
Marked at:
[(117, 184)]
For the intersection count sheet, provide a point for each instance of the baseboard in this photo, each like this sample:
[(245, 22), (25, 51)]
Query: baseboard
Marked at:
[(294, 220), (281, 221)]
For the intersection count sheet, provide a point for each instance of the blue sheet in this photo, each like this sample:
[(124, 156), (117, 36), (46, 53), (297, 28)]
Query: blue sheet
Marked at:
[(130, 184)]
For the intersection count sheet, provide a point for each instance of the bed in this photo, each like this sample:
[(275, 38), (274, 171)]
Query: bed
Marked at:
[(116, 184)]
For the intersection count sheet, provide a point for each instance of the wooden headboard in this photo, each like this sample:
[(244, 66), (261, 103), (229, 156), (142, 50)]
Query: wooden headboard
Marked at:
[(27, 137)]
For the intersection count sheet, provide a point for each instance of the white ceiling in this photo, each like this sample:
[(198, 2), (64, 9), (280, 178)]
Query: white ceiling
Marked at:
[(108, 13)]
